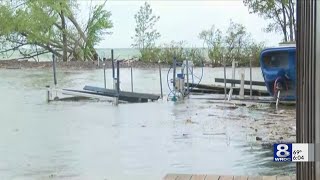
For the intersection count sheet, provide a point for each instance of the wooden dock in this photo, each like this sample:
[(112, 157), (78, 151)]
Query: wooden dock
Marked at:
[(217, 177), (213, 89), (123, 95)]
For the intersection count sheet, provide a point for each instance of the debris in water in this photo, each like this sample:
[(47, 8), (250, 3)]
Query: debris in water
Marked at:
[(189, 121)]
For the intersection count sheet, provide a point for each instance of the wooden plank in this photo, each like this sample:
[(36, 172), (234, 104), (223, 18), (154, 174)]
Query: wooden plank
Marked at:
[(184, 177), (234, 81), (283, 178), (226, 178), (170, 177), (240, 178), (255, 178), (212, 177), (198, 177), (122, 93), (269, 178)]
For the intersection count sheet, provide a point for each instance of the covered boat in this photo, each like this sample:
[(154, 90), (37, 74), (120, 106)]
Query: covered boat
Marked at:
[(278, 67)]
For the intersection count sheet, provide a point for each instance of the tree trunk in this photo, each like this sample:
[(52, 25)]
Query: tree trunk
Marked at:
[(284, 27), (291, 18), (64, 37)]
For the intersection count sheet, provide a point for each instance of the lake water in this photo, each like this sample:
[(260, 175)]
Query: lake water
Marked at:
[(96, 140)]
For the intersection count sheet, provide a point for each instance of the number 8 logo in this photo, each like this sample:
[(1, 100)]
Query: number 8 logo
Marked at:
[(282, 151)]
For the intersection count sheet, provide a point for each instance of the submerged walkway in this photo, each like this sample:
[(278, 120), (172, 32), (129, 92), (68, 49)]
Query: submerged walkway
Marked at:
[(216, 177)]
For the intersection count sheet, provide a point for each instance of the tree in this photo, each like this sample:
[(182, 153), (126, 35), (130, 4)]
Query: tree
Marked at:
[(214, 42), (145, 34), (280, 12), (50, 26), (236, 40)]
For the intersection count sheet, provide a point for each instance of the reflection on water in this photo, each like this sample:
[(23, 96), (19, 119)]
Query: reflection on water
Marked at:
[(95, 140)]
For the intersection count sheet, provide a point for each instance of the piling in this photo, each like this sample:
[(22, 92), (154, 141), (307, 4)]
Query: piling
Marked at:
[(54, 69), (118, 83), (187, 65), (233, 72), (250, 78), (241, 93), (174, 71), (225, 79), (112, 62), (160, 75), (131, 79), (104, 75)]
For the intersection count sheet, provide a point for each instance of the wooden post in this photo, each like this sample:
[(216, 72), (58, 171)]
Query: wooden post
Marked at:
[(54, 70), (187, 65), (241, 93), (233, 72), (131, 79), (104, 75), (112, 62), (225, 78), (160, 80), (250, 78)]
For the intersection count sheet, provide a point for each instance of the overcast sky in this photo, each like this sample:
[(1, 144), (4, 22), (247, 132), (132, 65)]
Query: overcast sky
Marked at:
[(181, 20)]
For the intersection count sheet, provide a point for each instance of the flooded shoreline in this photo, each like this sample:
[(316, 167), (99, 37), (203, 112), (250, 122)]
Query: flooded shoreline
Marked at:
[(95, 140)]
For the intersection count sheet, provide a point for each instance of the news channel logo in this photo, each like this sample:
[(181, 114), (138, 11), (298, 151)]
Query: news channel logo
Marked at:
[(282, 152)]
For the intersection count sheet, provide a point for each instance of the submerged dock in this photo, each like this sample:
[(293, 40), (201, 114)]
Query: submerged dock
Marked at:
[(214, 89), (122, 95), (217, 177)]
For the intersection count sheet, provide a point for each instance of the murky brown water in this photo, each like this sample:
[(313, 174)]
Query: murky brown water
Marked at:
[(95, 140)]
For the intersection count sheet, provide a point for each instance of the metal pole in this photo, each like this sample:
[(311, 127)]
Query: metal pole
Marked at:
[(54, 69), (131, 79), (225, 77), (250, 78), (112, 60), (160, 80)]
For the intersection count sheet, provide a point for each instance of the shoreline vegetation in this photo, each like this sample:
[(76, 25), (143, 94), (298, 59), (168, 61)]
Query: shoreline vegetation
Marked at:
[(54, 28), (87, 65)]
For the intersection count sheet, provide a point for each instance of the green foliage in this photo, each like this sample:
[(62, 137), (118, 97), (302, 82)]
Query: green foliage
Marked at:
[(236, 44), (50, 26), (213, 39), (180, 52), (145, 33), (280, 13)]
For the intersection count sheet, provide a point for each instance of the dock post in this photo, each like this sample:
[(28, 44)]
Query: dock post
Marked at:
[(160, 80), (225, 78), (233, 72), (112, 62), (118, 82), (241, 93), (250, 78), (187, 65), (174, 72), (54, 69), (131, 79), (48, 93), (104, 74)]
